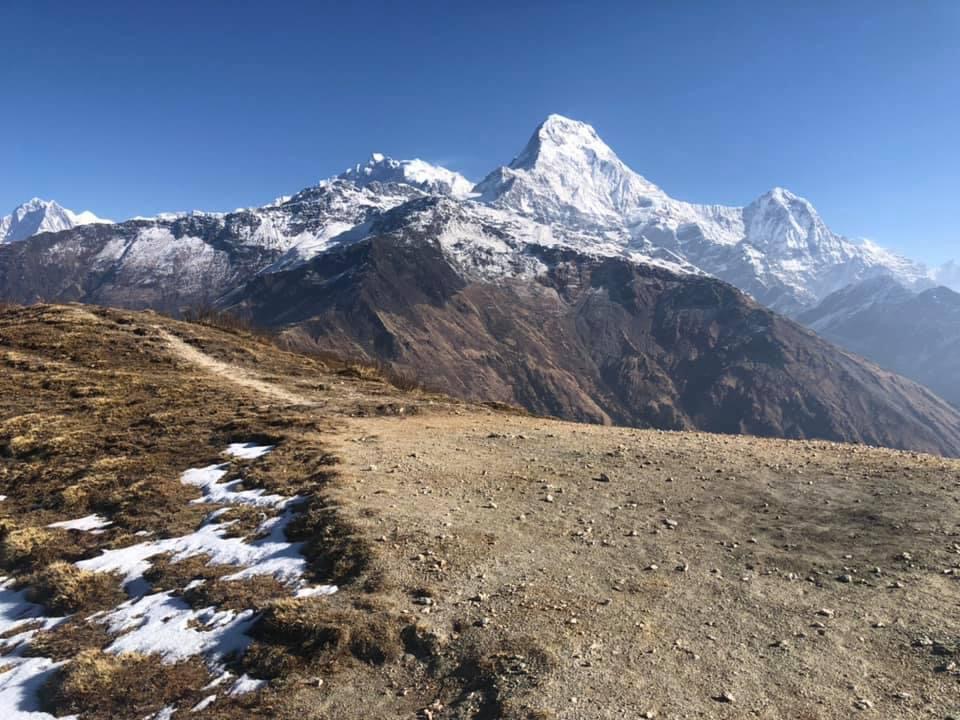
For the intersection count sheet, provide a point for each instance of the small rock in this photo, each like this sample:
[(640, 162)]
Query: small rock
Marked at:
[(725, 697)]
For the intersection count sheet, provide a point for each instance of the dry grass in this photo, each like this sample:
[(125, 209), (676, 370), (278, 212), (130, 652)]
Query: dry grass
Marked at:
[(334, 549), (301, 344), (227, 321), (165, 575), (69, 639), (254, 593), (100, 416), (102, 686), (64, 588), (296, 631), (28, 548)]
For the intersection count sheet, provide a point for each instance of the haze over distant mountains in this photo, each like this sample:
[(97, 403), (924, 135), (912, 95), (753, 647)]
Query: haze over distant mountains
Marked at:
[(563, 281), (913, 333)]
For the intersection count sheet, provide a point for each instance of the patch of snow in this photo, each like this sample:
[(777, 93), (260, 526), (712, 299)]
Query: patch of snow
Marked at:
[(248, 451), (165, 625), (204, 704), (89, 523), (227, 493), (272, 555), (21, 685), (246, 684), (315, 591), (219, 680), (23, 678)]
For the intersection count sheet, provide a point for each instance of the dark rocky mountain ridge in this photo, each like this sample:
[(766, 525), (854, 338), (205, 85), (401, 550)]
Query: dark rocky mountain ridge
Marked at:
[(596, 339)]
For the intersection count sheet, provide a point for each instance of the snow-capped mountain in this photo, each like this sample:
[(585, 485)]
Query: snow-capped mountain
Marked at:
[(777, 248), (37, 216), (417, 173), (567, 175), (566, 188)]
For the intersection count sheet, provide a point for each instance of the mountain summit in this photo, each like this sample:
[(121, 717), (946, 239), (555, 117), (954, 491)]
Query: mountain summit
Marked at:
[(777, 248), (567, 173), (421, 175), (37, 216)]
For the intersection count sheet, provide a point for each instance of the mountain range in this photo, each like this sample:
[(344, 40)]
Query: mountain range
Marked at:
[(563, 281), (913, 333)]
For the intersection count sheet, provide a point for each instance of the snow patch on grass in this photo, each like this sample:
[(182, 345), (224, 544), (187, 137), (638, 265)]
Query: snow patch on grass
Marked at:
[(163, 624), (248, 451), (90, 523), (23, 677)]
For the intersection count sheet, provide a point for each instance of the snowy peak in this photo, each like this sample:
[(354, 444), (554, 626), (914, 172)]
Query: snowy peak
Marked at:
[(558, 135), (566, 173), (37, 216), (781, 221), (416, 173)]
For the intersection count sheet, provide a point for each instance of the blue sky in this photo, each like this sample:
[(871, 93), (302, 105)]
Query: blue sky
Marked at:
[(135, 107)]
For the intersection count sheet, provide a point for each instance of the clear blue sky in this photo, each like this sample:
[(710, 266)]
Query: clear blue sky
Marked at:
[(136, 107)]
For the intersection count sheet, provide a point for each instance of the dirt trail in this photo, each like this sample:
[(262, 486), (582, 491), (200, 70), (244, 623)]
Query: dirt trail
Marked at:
[(234, 374)]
